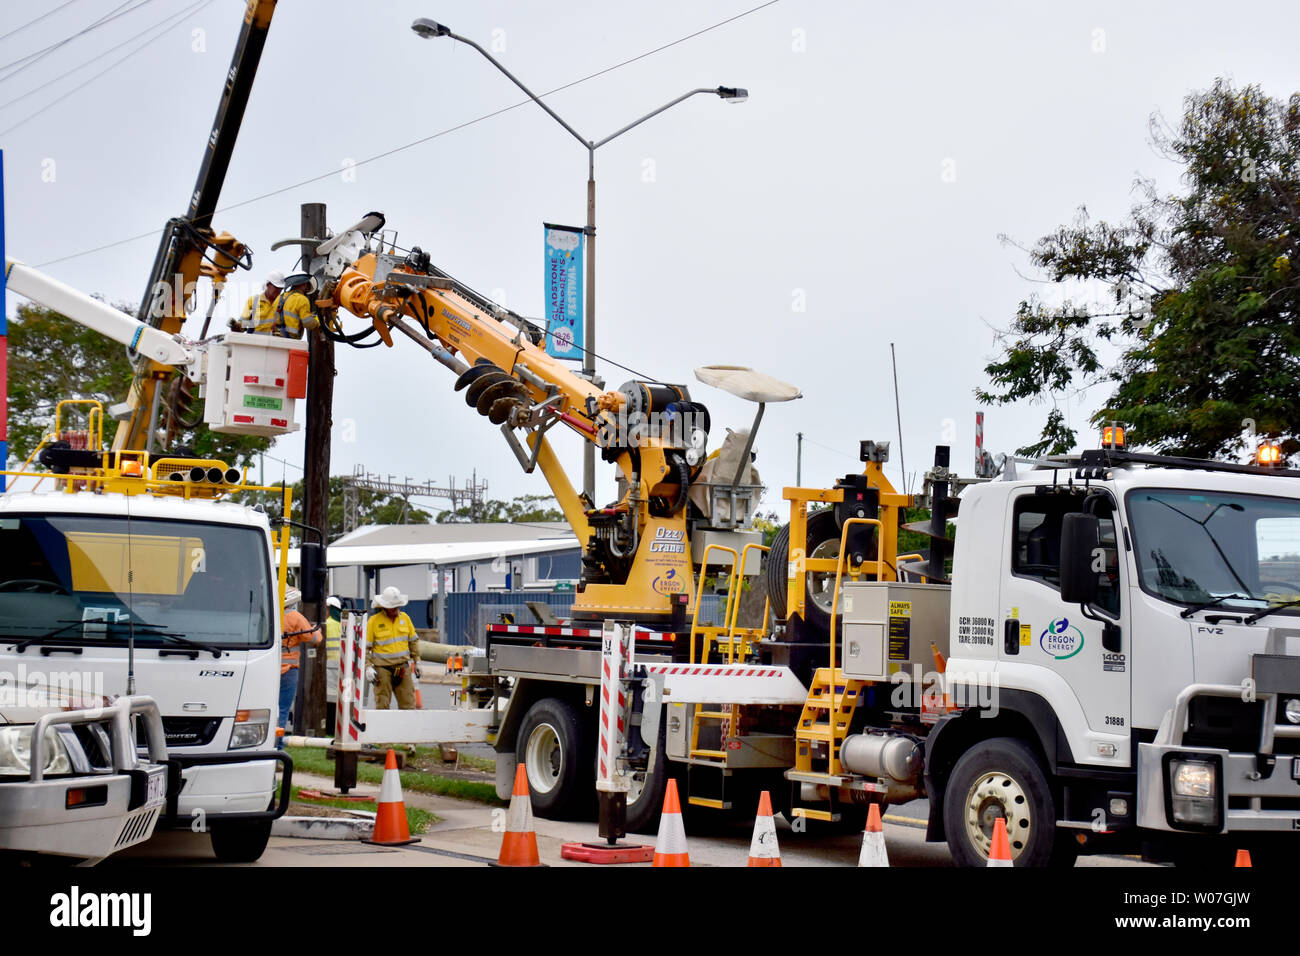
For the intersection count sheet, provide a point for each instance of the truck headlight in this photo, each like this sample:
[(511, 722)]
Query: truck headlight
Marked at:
[(1194, 791), (250, 728), (1292, 710), (16, 751)]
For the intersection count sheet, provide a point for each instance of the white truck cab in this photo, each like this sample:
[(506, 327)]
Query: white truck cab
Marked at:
[(1138, 618), (172, 596)]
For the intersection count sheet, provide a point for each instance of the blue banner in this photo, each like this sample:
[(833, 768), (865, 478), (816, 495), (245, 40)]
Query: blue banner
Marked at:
[(563, 293)]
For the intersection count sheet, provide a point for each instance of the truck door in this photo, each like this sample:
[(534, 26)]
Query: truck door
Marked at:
[(1056, 636)]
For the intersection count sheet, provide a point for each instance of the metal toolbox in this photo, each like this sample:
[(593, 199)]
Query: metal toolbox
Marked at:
[(889, 627)]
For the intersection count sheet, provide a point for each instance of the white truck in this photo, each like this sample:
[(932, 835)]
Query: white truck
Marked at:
[(128, 570), (1114, 666)]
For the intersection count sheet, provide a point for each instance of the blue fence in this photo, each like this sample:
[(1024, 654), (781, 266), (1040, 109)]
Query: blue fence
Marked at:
[(468, 612)]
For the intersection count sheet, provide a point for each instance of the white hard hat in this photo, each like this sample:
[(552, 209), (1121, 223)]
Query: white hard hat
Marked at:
[(292, 597), (390, 597), (276, 279), (332, 601)]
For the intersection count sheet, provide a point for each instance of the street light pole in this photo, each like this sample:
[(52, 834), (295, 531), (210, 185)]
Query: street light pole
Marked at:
[(428, 29)]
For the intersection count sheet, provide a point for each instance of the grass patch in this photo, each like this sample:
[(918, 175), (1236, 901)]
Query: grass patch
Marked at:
[(314, 760), (417, 820)]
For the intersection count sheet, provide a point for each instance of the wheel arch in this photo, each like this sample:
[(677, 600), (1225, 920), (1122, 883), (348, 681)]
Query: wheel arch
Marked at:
[(1020, 714), (528, 691)]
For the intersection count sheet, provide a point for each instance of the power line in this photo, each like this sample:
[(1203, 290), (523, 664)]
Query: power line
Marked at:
[(33, 58), (192, 9), (37, 20), (418, 142), (167, 25)]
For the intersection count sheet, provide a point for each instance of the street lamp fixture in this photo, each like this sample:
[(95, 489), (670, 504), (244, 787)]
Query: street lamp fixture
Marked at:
[(426, 28)]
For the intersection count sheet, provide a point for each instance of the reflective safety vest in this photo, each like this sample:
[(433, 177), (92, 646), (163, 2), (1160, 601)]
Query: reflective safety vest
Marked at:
[(288, 316), (391, 642), (258, 314), (333, 638)]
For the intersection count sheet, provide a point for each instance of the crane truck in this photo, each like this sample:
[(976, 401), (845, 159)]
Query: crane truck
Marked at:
[(137, 570), (1110, 661)]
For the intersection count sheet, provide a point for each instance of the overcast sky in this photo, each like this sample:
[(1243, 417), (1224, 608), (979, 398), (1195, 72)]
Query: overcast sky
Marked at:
[(855, 200)]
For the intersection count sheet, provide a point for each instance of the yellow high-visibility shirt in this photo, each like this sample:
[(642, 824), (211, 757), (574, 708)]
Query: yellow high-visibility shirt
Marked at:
[(333, 639), (391, 642), (257, 313), (289, 315)]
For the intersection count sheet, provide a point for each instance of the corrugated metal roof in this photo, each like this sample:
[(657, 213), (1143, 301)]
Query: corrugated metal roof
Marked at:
[(454, 533), (444, 553)]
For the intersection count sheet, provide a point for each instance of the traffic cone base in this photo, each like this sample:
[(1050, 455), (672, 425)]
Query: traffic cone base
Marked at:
[(519, 846), (670, 848), (763, 848), (390, 815), (1000, 852), (873, 840)]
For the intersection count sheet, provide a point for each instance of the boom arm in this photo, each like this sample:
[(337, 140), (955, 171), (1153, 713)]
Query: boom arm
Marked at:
[(189, 248), (157, 346), (637, 555)]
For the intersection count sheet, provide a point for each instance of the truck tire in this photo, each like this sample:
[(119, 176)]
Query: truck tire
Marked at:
[(239, 841), (552, 748), (643, 811), (1000, 777), (822, 541)]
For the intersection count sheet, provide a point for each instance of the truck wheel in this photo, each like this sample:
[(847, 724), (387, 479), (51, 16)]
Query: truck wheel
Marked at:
[(646, 798), (1001, 777), (822, 542), (240, 841), (550, 747)]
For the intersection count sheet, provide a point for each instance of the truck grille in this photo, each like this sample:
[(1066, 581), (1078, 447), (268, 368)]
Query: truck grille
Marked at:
[(1231, 724), (135, 828), (190, 731)]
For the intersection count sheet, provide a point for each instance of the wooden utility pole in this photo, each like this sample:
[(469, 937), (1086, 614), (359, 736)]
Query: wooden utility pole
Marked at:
[(316, 479)]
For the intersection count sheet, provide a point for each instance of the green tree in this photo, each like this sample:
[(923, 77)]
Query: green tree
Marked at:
[(1197, 291), (525, 508), (52, 358)]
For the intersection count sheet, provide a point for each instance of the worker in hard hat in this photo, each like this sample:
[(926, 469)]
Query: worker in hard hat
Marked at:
[(333, 641), (295, 629), (256, 316), (293, 311), (392, 651)]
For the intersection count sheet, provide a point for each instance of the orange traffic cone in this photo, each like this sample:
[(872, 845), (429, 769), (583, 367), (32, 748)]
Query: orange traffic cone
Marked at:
[(390, 818), (1243, 858), (1000, 854), (873, 840), (670, 848), (763, 849), (519, 847)]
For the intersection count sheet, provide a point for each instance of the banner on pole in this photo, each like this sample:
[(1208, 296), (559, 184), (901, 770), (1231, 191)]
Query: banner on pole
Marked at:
[(563, 292)]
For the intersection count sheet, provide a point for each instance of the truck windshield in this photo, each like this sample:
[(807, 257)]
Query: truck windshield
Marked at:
[(73, 579), (1217, 549)]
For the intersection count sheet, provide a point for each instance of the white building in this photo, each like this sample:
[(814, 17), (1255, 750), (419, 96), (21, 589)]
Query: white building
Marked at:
[(428, 561)]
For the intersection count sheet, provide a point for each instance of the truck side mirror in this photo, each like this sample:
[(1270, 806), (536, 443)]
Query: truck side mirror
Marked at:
[(1080, 539), (312, 578)]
